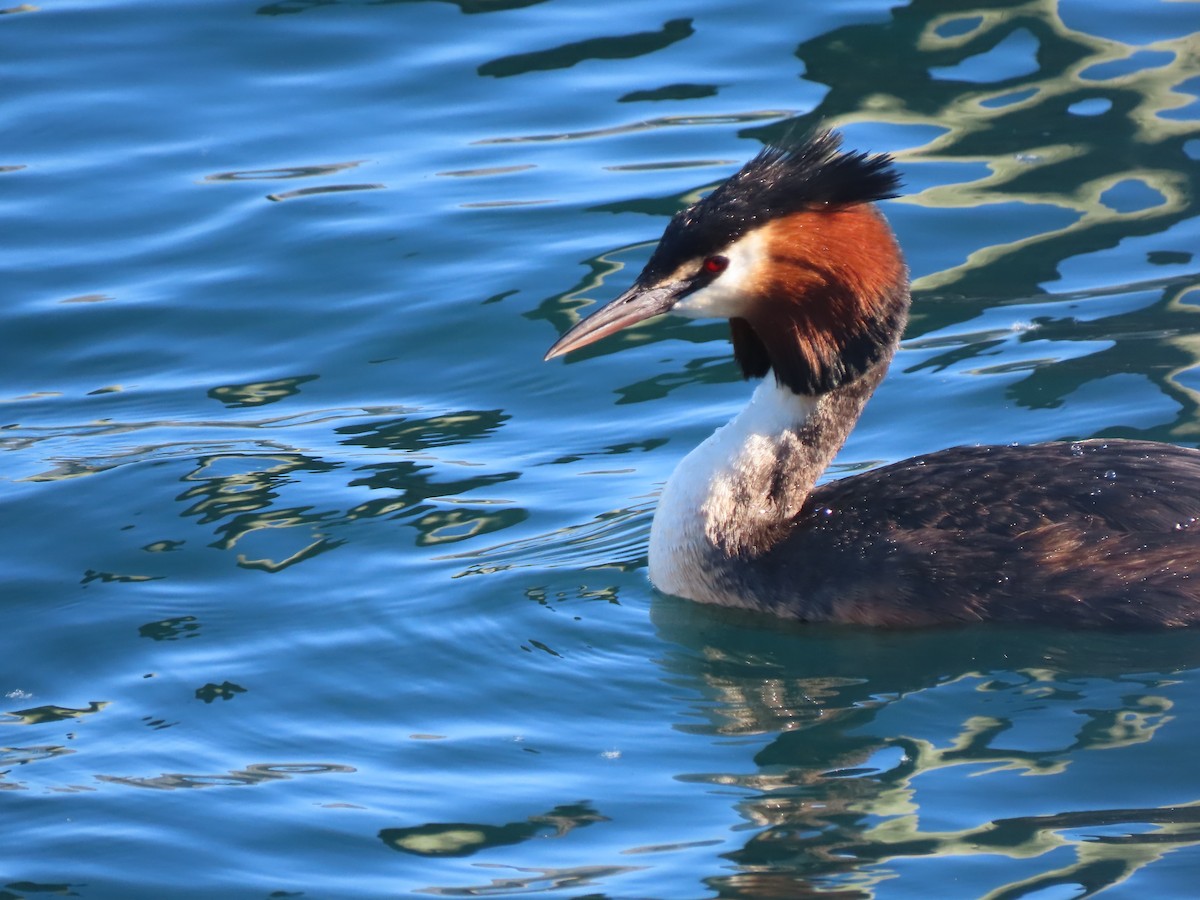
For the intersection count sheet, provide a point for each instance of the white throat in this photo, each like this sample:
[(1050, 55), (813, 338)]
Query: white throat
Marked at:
[(725, 489)]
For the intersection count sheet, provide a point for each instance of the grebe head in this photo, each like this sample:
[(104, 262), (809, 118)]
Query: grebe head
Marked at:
[(792, 252)]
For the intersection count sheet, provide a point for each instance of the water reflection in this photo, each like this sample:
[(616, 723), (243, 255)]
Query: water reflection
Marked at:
[(671, 92), (1074, 341), (315, 171), (19, 756), (525, 880), (468, 7), (626, 46), (469, 838), (268, 501), (612, 540), (410, 483), (652, 124), (174, 629), (223, 691), (256, 773), (259, 393), (245, 494), (327, 189), (860, 730), (39, 715), (240, 492)]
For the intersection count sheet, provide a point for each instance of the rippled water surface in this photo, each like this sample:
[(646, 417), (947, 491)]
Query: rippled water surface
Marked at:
[(318, 582)]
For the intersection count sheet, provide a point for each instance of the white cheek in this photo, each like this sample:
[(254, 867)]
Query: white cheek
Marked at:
[(726, 297)]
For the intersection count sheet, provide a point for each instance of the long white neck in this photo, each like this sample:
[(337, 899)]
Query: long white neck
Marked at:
[(733, 497)]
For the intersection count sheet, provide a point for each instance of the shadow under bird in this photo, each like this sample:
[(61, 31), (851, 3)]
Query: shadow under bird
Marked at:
[(794, 253)]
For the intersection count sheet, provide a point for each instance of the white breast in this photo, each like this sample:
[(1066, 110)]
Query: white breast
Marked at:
[(696, 507)]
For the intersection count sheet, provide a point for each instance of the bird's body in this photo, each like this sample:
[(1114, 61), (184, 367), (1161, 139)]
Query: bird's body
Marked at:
[(792, 251)]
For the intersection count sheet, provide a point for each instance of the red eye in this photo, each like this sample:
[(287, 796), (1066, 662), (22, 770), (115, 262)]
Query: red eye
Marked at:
[(715, 265)]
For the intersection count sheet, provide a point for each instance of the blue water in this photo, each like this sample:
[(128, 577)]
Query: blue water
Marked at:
[(318, 582)]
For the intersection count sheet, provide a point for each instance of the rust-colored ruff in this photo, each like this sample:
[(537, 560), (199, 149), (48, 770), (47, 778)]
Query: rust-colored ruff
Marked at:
[(829, 281)]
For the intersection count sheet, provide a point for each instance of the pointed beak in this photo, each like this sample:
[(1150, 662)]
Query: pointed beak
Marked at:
[(635, 305)]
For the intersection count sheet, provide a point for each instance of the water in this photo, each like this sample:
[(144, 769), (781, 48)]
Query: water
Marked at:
[(317, 582)]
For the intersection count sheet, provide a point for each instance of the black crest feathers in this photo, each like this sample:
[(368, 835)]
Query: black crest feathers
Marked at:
[(787, 177), (784, 178)]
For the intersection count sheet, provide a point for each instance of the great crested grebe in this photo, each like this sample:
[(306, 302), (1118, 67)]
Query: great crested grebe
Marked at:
[(792, 251)]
